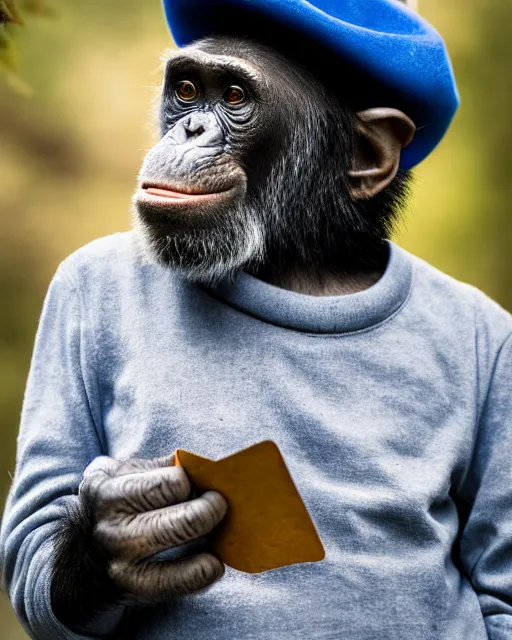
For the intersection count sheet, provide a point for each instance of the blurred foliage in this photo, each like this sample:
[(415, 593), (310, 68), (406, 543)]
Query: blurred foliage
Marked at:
[(11, 18), (70, 153)]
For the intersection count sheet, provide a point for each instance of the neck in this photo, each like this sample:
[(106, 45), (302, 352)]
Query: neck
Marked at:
[(320, 283)]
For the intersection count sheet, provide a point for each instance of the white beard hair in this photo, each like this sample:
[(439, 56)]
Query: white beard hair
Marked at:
[(219, 259)]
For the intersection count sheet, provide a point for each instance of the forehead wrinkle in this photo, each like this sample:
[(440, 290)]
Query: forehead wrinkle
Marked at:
[(232, 64)]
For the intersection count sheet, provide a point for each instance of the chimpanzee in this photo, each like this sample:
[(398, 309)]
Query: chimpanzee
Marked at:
[(259, 296)]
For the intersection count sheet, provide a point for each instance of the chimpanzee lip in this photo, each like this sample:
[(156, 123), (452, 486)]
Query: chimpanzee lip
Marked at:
[(160, 190)]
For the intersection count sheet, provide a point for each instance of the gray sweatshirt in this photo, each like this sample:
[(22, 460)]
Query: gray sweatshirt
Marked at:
[(392, 408)]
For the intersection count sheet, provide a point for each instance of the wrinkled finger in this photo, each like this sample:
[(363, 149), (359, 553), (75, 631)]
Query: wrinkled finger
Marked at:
[(181, 523), (103, 468), (149, 533), (158, 581), (137, 465), (145, 491), (99, 471), (101, 464)]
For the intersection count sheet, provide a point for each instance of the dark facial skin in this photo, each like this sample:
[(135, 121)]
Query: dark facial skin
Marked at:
[(211, 229), (286, 181)]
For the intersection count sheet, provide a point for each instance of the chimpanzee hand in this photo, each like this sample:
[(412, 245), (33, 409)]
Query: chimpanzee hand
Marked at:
[(139, 510), (128, 512)]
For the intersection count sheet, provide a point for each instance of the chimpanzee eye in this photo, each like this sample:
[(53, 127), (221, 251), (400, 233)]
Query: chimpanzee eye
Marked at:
[(234, 95), (186, 90)]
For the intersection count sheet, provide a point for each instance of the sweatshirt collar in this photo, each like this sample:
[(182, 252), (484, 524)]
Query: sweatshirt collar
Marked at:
[(323, 314)]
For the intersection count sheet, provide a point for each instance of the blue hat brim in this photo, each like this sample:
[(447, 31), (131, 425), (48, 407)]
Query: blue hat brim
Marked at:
[(381, 38)]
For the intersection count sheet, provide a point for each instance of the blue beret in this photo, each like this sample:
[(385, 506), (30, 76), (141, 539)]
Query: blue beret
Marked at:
[(384, 40)]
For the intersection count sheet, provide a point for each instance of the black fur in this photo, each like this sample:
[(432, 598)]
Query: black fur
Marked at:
[(81, 589)]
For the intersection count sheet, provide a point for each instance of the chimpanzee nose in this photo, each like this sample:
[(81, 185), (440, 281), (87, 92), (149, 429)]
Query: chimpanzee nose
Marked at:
[(195, 126), (203, 128)]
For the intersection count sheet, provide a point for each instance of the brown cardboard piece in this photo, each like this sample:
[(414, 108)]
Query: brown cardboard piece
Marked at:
[(267, 525)]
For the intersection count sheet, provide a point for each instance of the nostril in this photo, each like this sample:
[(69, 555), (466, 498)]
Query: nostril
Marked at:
[(194, 132)]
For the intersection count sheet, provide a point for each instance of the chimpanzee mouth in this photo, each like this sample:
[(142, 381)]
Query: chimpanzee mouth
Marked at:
[(164, 195)]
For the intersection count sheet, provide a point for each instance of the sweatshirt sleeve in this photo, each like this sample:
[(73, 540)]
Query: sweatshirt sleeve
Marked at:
[(486, 541), (58, 437)]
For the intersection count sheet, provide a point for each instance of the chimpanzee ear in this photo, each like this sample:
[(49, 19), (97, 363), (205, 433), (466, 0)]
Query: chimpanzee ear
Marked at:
[(383, 133)]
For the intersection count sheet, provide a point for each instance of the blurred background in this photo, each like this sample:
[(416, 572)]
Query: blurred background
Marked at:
[(75, 123)]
